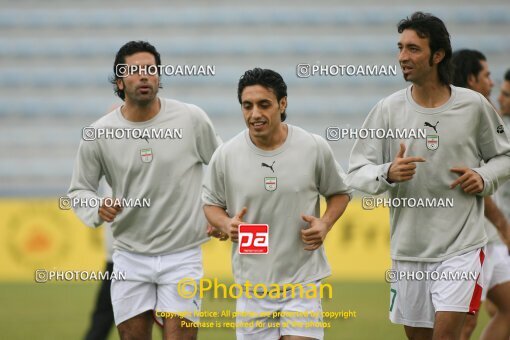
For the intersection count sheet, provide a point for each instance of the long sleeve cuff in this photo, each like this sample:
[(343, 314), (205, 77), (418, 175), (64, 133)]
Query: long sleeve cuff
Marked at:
[(488, 187), (383, 176)]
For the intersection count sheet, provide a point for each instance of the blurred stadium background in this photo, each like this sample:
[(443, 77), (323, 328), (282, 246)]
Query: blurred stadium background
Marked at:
[(56, 59)]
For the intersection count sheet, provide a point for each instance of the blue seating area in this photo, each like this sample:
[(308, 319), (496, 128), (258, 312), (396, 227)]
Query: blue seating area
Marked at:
[(236, 46), (56, 62), (227, 15)]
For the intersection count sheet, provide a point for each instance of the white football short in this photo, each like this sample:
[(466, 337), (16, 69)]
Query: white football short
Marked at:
[(297, 316), (420, 289), (151, 283)]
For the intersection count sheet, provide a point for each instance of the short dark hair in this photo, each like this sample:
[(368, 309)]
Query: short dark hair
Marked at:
[(507, 75), (128, 49), (267, 78), (428, 26), (466, 63)]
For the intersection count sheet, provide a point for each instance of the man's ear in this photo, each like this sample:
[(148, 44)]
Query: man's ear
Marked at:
[(120, 84), (283, 104), (471, 81), (438, 56)]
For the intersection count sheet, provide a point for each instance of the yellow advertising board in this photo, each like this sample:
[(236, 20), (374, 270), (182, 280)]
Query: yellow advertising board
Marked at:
[(36, 234)]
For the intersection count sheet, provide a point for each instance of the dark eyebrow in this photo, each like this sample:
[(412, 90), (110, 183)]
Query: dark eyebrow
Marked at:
[(408, 45), (261, 101)]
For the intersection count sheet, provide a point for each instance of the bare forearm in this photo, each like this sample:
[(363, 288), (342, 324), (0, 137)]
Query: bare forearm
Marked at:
[(217, 217), (336, 206), (494, 215)]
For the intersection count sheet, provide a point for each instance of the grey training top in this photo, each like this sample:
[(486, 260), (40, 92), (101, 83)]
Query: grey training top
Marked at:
[(460, 133), (276, 187), (167, 171)]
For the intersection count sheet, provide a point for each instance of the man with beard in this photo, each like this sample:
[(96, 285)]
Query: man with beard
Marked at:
[(151, 148), (462, 130)]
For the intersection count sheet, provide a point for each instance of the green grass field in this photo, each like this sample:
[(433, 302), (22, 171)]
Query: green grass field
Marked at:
[(61, 311)]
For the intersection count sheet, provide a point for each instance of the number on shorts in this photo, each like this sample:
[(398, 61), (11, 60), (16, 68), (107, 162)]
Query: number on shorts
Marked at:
[(393, 294)]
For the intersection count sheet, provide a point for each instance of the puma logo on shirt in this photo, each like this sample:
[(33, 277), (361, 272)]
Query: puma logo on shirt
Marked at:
[(268, 166), (432, 126)]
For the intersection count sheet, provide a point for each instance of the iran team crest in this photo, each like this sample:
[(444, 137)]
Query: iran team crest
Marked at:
[(432, 142), (146, 155), (270, 183)]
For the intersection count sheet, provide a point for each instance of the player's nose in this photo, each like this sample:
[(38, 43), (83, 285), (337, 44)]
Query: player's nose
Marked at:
[(144, 77), (256, 113), (403, 55)]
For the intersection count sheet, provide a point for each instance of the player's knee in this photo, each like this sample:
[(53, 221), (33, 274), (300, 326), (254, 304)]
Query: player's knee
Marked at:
[(468, 328), (503, 309), (181, 334), (446, 334), (415, 333), (123, 333), (136, 328), (415, 336), (504, 314), (127, 334), (177, 329)]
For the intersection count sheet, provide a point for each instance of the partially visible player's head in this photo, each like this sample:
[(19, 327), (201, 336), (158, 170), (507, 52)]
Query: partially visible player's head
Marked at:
[(141, 86), (262, 94), (424, 48), (504, 95), (470, 70)]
